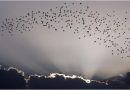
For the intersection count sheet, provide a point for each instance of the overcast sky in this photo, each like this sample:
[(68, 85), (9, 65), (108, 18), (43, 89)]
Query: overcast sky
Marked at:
[(43, 51)]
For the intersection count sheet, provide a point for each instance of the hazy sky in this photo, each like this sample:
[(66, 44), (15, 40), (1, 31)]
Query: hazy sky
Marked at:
[(43, 51)]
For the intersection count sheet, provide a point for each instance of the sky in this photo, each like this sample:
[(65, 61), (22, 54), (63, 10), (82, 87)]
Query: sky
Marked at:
[(60, 49)]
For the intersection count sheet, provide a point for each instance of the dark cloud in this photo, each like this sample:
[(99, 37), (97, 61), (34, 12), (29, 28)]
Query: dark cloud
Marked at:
[(14, 78), (57, 81), (11, 79), (127, 79)]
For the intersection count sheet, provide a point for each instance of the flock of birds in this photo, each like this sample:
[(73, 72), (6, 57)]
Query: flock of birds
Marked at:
[(105, 30)]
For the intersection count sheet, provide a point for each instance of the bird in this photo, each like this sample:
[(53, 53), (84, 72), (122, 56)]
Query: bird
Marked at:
[(88, 24)]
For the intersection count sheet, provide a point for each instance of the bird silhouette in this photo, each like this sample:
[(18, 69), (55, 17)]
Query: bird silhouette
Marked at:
[(83, 22)]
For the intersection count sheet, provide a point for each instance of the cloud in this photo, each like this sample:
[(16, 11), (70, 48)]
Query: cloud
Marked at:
[(14, 78), (127, 79), (56, 80)]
